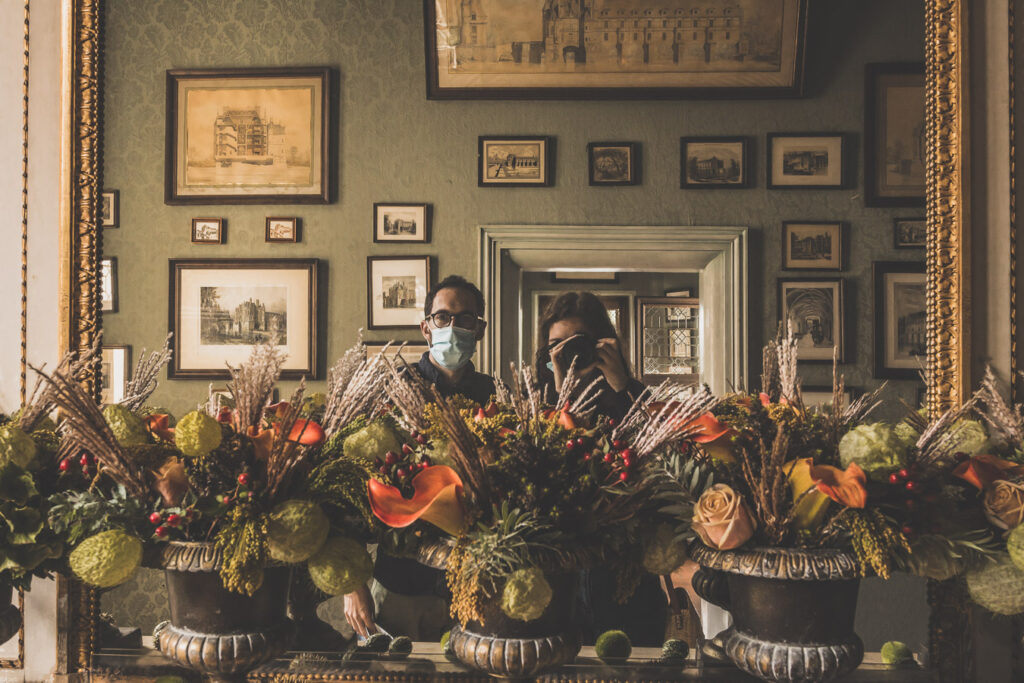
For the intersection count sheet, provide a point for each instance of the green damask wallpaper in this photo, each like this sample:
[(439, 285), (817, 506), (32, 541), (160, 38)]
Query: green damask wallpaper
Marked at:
[(394, 145)]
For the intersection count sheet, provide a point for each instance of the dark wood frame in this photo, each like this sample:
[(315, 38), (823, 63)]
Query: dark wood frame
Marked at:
[(582, 280), (844, 146), (296, 227), (428, 260), (222, 235), (435, 92), (127, 363), (634, 164), (840, 245), (638, 325), (879, 269), (428, 210), (746, 181), (872, 74), (855, 391), (114, 298), (549, 159), (328, 164), (176, 266), (895, 234), (841, 315), (115, 209)]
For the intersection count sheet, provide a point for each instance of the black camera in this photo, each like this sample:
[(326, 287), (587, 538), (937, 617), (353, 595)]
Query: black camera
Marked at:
[(583, 348)]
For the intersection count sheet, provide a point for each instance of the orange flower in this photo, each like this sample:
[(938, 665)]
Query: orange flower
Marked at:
[(846, 488), (171, 482), (981, 470), (437, 498), (708, 428), (307, 433), (157, 424), (483, 413)]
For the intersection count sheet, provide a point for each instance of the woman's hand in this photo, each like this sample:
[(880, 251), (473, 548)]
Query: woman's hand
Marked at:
[(359, 611), (556, 362), (609, 362)]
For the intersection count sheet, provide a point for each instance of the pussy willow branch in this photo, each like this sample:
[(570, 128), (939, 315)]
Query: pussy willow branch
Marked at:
[(357, 388), (286, 454), (252, 384), (1004, 419), (143, 382), (464, 450), (408, 391)]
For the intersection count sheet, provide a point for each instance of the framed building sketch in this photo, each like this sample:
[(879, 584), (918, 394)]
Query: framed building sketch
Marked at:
[(249, 136), (394, 222), (209, 230), (613, 163), (815, 309), (515, 161), (110, 209), (219, 309), (900, 313), (108, 285), (806, 161), (909, 233), (396, 290), (282, 229), (818, 396), (894, 135), (812, 245), (565, 49), (116, 371), (714, 163)]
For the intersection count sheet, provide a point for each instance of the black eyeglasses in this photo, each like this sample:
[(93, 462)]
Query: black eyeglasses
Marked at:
[(466, 321)]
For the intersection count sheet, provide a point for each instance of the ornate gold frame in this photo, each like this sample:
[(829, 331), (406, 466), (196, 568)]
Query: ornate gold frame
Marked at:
[(947, 256)]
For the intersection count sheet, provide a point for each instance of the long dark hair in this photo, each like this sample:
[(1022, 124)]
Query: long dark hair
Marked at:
[(583, 305)]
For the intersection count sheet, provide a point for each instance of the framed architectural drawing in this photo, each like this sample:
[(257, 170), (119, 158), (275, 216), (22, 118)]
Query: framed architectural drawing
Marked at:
[(894, 135), (396, 289), (248, 136), (815, 309), (806, 161), (515, 161), (900, 313), (564, 49), (714, 163), (116, 370), (817, 245)]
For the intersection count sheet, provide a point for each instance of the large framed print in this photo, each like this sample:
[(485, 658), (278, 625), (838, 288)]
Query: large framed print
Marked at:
[(900, 319), (515, 161), (545, 49), (115, 371), (220, 309), (894, 134), (815, 309), (249, 136), (396, 290)]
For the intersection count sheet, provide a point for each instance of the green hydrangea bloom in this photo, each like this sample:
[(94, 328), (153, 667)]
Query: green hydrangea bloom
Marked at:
[(931, 558), (526, 595), (341, 566), (894, 652), (664, 552), (296, 530), (16, 446), (969, 436), (371, 442), (128, 428), (998, 586), (612, 645), (1015, 546), (197, 434), (875, 448), (106, 559)]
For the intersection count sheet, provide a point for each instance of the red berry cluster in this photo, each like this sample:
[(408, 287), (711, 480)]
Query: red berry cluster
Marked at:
[(165, 523), (620, 458), (87, 462), (400, 468), (905, 481), (242, 492)]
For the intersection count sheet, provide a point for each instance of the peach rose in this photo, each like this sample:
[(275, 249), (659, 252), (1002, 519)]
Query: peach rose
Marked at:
[(1004, 504), (721, 518)]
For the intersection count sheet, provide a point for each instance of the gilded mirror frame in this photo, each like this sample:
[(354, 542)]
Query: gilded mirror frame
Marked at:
[(947, 258)]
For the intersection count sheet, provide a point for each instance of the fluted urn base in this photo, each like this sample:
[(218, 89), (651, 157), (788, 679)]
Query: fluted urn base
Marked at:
[(223, 656), (514, 657), (793, 662)]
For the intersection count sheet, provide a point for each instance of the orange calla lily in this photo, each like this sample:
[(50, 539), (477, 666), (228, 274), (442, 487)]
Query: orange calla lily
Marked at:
[(307, 433), (437, 498), (844, 487), (708, 428), (483, 413), (262, 442), (157, 424), (225, 415), (982, 470), (171, 481), (279, 409)]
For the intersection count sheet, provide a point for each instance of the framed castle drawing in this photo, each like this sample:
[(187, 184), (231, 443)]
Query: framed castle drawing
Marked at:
[(894, 134), (565, 49), (220, 309), (248, 136)]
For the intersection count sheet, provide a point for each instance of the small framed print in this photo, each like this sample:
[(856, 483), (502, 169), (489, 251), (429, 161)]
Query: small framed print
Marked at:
[(807, 161), (909, 233), (208, 230), (396, 290), (714, 163), (516, 161), (812, 245), (818, 396), (900, 319), (894, 134), (613, 163), (110, 209), (401, 222), (116, 370), (282, 229), (815, 309), (585, 276), (410, 353), (108, 285), (220, 309)]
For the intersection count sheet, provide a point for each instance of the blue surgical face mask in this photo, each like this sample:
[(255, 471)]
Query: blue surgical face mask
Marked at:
[(451, 346), (550, 366)]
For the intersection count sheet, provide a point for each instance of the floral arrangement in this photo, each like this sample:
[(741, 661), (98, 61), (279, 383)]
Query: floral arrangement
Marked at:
[(265, 483), (524, 490)]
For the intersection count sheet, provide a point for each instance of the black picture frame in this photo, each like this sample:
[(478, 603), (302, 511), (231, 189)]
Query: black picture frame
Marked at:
[(310, 270), (839, 314), (915, 328), (774, 180), (222, 228), (296, 230), (839, 242), (746, 178), (875, 144), (632, 165), (372, 323), (420, 237), (795, 12), (853, 392), (325, 180), (902, 241), (545, 164), (114, 220)]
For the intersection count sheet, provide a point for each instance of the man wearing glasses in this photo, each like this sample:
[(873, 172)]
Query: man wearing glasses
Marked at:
[(415, 603)]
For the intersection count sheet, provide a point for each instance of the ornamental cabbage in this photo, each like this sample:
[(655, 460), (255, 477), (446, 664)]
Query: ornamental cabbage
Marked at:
[(341, 566), (16, 446), (197, 434), (875, 448), (371, 442), (296, 530), (106, 559), (128, 428)]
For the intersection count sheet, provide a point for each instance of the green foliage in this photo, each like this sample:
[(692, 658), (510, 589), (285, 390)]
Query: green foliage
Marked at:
[(74, 515), (675, 651), (613, 645), (895, 653), (341, 566), (243, 541), (339, 484)]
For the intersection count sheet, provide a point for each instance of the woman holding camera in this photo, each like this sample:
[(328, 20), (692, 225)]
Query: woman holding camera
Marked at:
[(576, 326)]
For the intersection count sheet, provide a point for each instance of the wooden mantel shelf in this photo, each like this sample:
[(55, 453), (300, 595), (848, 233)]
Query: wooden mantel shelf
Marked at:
[(427, 663)]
